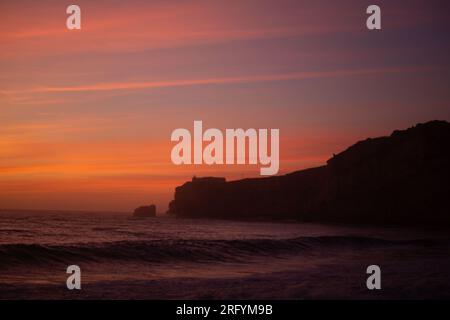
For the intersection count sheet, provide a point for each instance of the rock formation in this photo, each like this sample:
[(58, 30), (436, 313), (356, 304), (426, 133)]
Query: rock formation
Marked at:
[(403, 178), (145, 211)]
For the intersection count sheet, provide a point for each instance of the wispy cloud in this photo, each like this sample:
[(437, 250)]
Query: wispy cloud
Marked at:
[(218, 81)]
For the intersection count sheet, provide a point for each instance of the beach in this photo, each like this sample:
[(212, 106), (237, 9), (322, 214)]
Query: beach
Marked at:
[(170, 258)]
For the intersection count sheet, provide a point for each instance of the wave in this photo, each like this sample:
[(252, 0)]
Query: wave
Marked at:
[(165, 251)]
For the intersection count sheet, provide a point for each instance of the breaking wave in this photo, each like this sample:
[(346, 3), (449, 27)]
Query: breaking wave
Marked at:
[(165, 251)]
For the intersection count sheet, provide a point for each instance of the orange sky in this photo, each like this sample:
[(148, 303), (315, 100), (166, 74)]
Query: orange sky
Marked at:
[(86, 115)]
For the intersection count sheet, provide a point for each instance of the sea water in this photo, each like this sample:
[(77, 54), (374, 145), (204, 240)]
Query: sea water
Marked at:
[(167, 257)]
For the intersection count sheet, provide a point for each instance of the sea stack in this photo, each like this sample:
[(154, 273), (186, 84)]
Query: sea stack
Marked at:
[(145, 211)]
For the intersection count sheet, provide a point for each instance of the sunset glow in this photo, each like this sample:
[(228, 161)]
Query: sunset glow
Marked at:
[(86, 115)]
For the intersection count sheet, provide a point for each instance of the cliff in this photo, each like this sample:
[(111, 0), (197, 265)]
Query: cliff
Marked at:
[(403, 178)]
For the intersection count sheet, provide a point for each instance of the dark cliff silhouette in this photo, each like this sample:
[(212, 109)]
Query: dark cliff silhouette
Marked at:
[(403, 178)]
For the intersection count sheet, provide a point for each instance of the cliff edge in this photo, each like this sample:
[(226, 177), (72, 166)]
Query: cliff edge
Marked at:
[(403, 178)]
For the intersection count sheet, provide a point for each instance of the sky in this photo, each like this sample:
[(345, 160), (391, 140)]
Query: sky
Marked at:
[(86, 115)]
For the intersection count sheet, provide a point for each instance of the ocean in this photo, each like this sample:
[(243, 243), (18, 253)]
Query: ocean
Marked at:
[(122, 257)]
